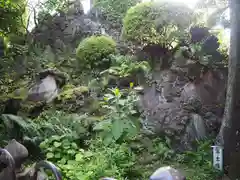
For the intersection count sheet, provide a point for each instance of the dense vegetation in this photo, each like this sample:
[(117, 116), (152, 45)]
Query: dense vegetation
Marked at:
[(92, 129)]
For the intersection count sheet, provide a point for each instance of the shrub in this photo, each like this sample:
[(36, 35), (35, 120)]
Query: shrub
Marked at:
[(124, 66), (96, 162), (115, 10), (156, 22), (120, 123), (94, 51)]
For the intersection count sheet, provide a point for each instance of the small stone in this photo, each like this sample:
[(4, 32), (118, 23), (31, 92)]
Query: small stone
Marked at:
[(167, 173)]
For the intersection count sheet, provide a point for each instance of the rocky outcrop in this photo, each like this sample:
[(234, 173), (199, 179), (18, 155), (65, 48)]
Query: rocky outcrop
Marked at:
[(69, 28), (183, 110)]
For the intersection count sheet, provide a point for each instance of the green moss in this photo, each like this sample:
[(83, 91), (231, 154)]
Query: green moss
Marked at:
[(156, 22), (94, 51), (70, 91)]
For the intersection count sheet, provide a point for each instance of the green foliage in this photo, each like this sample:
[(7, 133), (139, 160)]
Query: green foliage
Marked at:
[(65, 136), (156, 22), (50, 6), (96, 162), (12, 16), (94, 159), (49, 123), (215, 17), (200, 159), (70, 91), (119, 123), (115, 10), (94, 51), (59, 148), (124, 66), (73, 99), (196, 164)]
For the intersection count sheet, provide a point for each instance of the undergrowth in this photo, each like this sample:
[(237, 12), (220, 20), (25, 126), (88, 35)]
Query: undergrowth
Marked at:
[(71, 142)]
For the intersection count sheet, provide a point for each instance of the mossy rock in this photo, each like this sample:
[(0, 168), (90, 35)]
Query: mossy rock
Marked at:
[(72, 98), (71, 92)]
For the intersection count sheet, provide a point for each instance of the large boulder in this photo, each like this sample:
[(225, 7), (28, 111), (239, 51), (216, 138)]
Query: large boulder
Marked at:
[(210, 90), (47, 86), (182, 110)]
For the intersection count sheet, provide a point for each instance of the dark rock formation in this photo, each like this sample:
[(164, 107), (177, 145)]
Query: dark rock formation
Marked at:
[(69, 28), (183, 110)]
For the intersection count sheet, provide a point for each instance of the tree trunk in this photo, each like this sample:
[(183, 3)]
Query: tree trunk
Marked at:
[(91, 3), (229, 134)]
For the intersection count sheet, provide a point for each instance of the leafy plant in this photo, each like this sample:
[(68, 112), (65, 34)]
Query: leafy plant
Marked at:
[(124, 66), (96, 162), (94, 51), (49, 123), (11, 13), (53, 147), (119, 123), (200, 159)]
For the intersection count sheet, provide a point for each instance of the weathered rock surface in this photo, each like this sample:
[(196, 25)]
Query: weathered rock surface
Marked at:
[(69, 28), (18, 152), (46, 87), (183, 110)]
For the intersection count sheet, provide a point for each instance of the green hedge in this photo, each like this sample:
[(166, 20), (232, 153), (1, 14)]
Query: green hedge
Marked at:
[(156, 22), (94, 51)]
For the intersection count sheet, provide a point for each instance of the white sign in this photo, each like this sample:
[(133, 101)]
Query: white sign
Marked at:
[(218, 157)]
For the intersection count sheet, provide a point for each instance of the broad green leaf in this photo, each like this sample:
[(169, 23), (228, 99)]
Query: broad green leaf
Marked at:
[(63, 161), (55, 137), (43, 144), (50, 155), (121, 102), (78, 157), (108, 139), (58, 155), (74, 145), (117, 128), (71, 151), (108, 97), (102, 125), (50, 149), (57, 144)]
